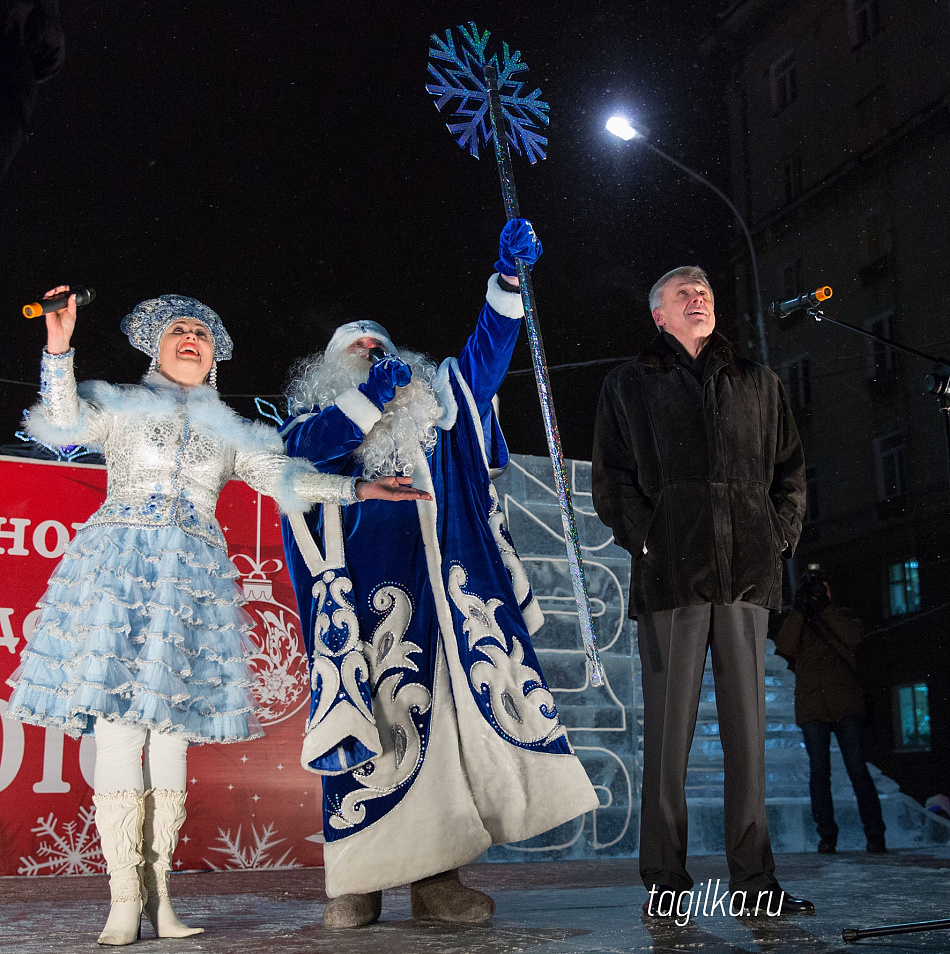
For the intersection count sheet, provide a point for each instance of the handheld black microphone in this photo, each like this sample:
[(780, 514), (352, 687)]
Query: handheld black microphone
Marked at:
[(376, 354), (779, 309), (37, 308)]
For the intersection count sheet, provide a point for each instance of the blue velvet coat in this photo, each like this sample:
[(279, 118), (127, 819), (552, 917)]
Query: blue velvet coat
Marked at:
[(393, 594)]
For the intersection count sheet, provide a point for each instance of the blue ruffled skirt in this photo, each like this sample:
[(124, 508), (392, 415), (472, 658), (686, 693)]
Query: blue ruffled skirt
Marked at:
[(142, 626)]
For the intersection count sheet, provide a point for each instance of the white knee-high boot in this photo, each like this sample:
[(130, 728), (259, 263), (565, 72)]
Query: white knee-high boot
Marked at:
[(119, 818), (164, 816)]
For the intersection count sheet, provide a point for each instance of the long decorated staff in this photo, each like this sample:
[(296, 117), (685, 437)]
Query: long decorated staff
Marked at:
[(491, 107)]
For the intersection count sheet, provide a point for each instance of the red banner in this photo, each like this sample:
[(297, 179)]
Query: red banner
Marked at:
[(250, 805)]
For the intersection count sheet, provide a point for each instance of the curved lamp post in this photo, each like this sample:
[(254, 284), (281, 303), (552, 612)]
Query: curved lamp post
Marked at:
[(624, 130)]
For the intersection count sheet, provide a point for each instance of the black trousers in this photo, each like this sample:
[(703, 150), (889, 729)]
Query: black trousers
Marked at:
[(673, 645)]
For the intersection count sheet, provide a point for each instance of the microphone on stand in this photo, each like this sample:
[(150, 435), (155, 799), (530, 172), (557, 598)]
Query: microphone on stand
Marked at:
[(37, 308), (779, 309)]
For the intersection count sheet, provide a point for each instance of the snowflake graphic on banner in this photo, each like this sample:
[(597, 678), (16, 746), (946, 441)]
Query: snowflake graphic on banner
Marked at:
[(70, 849), (255, 855), (459, 74)]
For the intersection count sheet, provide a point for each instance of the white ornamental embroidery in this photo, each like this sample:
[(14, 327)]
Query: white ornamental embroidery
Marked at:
[(394, 702), (516, 571), (325, 671), (390, 649), (520, 715)]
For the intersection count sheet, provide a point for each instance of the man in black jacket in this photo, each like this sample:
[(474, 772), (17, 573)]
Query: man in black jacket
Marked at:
[(698, 470)]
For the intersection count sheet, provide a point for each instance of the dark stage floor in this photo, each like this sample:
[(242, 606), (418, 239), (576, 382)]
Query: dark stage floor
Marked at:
[(564, 908)]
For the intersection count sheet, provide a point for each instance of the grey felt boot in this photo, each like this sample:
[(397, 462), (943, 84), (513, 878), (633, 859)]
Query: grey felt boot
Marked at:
[(353, 910), (444, 898)]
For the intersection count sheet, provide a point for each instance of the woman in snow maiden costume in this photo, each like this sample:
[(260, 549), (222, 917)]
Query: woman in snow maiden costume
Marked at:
[(142, 637)]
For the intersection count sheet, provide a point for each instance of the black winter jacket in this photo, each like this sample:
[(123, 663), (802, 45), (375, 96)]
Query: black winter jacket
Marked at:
[(702, 483), (826, 670)]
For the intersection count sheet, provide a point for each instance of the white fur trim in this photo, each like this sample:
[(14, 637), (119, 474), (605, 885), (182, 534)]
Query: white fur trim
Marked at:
[(453, 365), (342, 721), (289, 425), (316, 561), (435, 828), (533, 615), (205, 408), (504, 302), (442, 385), (352, 331), (84, 430), (359, 409)]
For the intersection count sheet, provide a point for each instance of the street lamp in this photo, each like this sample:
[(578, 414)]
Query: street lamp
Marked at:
[(622, 128)]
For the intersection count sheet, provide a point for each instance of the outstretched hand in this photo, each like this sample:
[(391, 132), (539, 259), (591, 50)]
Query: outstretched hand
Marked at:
[(389, 488), (60, 323)]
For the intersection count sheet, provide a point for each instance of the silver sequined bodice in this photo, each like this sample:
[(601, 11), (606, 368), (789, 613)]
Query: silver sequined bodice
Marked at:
[(169, 451)]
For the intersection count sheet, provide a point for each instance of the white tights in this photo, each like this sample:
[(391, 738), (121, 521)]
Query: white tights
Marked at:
[(133, 758)]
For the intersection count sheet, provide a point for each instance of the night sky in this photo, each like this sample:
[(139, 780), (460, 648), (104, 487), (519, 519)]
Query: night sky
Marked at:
[(284, 164)]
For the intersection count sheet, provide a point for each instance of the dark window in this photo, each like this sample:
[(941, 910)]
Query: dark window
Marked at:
[(792, 279), (783, 83), (864, 20), (798, 382), (872, 115), (792, 178), (882, 365), (812, 509), (877, 234), (889, 455)]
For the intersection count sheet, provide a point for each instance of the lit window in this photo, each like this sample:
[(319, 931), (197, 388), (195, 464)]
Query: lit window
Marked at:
[(783, 83), (903, 587), (912, 717)]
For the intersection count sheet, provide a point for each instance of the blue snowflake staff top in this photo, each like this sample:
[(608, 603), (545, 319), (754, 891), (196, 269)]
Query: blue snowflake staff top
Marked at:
[(458, 72), (491, 108)]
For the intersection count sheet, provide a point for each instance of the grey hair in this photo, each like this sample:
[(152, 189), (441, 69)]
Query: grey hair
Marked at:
[(692, 272)]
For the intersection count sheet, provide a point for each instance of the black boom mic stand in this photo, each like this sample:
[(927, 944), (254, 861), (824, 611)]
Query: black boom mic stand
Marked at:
[(938, 384)]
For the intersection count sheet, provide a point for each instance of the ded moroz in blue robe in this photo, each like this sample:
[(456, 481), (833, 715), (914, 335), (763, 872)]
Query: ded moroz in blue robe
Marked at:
[(430, 718)]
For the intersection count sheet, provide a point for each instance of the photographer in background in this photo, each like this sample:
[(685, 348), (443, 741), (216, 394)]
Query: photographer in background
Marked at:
[(818, 639)]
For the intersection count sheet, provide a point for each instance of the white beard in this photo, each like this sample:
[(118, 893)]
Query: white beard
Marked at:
[(408, 421)]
